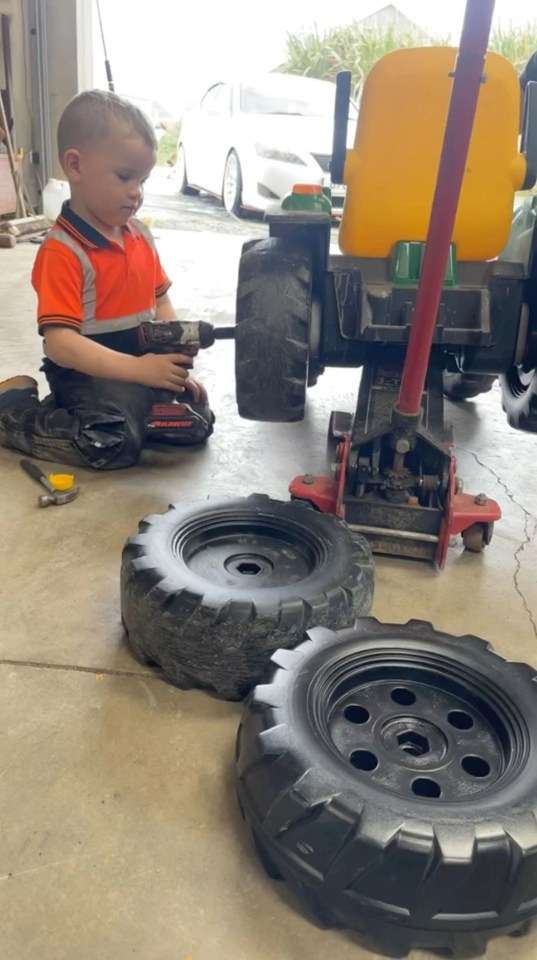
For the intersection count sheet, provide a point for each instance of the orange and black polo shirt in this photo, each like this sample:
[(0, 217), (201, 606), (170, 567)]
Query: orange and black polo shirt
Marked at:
[(94, 286)]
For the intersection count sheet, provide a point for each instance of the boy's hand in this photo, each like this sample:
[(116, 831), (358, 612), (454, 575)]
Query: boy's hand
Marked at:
[(198, 391), (164, 371)]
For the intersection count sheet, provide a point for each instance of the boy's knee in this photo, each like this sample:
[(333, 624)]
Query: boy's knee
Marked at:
[(109, 440)]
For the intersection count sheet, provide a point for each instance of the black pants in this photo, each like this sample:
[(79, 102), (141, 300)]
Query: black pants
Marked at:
[(86, 421)]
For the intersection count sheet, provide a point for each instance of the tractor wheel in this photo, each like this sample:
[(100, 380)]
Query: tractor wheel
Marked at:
[(519, 398), (466, 386), (184, 186), (389, 775), (209, 590), (273, 317)]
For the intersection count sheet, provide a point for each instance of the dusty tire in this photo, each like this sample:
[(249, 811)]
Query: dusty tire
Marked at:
[(184, 186), (466, 386), (341, 756), (519, 398), (273, 319), (191, 603)]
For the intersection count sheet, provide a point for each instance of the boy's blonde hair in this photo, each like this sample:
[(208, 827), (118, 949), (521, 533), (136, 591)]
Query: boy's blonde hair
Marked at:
[(88, 116)]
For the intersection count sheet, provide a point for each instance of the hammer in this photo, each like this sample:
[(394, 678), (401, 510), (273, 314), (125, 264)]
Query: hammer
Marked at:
[(54, 496)]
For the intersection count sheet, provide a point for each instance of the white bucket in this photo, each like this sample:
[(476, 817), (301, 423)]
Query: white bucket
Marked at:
[(55, 192)]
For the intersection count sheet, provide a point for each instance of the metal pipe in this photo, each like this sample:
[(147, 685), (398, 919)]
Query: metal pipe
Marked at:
[(389, 532), (107, 66), (467, 80), (20, 205), (41, 90)]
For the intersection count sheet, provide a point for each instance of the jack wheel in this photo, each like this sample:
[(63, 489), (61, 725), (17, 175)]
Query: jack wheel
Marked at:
[(478, 536)]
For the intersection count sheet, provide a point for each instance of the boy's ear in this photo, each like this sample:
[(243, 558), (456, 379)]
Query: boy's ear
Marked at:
[(71, 164)]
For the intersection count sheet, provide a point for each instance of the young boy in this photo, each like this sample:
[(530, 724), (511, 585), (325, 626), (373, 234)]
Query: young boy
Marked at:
[(97, 276)]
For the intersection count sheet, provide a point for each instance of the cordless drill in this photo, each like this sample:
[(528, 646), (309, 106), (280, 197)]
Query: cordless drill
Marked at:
[(173, 419)]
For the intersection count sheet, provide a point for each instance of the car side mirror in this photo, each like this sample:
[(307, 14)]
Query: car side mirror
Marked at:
[(341, 121), (528, 142)]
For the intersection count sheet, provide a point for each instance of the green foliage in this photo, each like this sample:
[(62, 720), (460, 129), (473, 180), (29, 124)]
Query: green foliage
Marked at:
[(351, 48), (354, 48), (516, 44), (167, 145)]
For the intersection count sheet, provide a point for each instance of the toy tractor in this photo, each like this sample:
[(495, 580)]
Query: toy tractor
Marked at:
[(301, 307)]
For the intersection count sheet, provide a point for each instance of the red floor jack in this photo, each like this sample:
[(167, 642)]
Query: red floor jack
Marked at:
[(395, 476)]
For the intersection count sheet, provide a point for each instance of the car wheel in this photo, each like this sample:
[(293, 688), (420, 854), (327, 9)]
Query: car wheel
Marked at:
[(209, 590), (182, 178), (232, 185), (388, 773)]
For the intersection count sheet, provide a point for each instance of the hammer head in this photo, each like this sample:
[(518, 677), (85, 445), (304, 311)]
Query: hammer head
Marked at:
[(58, 497)]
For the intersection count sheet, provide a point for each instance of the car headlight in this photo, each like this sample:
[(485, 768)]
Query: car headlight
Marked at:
[(271, 154)]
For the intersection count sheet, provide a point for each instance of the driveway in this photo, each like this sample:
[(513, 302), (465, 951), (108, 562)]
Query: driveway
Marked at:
[(165, 207)]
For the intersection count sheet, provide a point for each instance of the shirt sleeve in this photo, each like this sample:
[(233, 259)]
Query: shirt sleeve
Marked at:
[(58, 282), (162, 281)]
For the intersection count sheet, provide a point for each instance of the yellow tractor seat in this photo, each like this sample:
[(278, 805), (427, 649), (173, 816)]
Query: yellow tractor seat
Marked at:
[(391, 170)]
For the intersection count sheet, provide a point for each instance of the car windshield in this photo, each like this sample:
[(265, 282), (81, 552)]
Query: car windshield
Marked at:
[(304, 98)]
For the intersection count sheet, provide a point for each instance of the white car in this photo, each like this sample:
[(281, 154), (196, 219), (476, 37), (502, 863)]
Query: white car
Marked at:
[(250, 142)]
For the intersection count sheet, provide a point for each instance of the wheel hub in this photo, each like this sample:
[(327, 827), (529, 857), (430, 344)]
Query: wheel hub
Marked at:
[(249, 554), (419, 733), (248, 564), (416, 741)]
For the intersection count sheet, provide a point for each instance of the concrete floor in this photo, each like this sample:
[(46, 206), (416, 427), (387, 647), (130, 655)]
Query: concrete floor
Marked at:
[(120, 832)]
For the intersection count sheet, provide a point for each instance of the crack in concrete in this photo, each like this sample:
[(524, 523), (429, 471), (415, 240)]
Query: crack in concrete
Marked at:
[(516, 558), (106, 671), (528, 536), (48, 866)]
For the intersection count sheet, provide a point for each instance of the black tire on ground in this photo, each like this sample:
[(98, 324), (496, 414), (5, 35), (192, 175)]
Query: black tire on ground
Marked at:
[(272, 334), (184, 186), (389, 774), (519, 398), (466, 386), (232, 185), (210, 589)]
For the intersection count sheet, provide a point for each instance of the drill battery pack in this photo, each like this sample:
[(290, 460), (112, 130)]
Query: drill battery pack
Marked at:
[(177, 423)]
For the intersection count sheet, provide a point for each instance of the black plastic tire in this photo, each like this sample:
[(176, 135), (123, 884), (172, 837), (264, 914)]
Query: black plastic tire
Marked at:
[(341, 755), (272, 335), (210, 589), (184, 186), (466, 386), (519, 398)]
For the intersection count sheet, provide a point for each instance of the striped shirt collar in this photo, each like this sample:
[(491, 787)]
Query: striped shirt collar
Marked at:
[(82, 231)]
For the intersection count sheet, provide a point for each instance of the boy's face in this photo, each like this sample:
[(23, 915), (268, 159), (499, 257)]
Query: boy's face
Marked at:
[(107, 178)]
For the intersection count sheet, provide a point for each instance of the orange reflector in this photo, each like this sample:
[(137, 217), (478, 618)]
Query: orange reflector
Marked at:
[(307, 188)]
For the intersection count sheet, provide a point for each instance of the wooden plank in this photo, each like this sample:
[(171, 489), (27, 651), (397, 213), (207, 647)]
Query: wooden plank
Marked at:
[(20, 226)]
